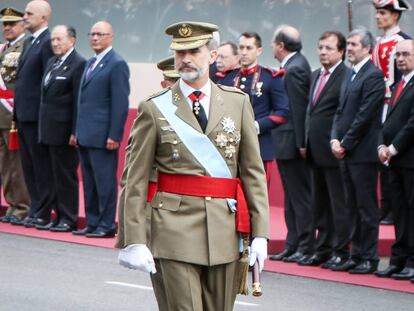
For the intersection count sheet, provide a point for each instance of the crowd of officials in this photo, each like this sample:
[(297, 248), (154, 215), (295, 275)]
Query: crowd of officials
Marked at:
[(332, 131)]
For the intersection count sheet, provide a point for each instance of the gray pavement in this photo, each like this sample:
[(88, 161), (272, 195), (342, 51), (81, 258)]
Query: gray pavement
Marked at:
[(45, 275)]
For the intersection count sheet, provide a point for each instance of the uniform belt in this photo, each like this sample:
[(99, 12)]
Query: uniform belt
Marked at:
[(6, 94), (152, 190), (207, 186)]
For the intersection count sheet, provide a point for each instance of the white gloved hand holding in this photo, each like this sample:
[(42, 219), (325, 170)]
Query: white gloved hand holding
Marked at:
[(258, 250), (137, 256)]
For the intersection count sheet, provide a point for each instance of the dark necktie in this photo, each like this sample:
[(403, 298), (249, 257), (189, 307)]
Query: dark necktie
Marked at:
[(55, 66), (26, 46), (90, 67), (198, 109)]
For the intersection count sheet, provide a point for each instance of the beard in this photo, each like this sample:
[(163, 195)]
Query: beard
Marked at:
[(193, 75)]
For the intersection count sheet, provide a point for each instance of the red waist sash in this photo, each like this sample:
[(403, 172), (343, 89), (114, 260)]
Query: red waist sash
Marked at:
[(206, 186), (6, 94)]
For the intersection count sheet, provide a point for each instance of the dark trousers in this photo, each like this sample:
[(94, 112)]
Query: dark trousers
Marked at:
[(37, 171), (99, 168), (360, 181), (295, 175), (386, 202), (331, 215), (65, 161), (402, 195)]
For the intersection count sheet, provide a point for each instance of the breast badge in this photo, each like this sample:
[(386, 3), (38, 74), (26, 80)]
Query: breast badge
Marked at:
[(228, 138), (9, 65)]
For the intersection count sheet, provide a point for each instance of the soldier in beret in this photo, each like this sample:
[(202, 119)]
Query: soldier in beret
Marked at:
[(201, 138), (11, 172)]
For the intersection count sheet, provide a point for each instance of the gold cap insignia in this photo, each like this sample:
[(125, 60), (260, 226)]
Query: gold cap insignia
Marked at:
[(185, 31)]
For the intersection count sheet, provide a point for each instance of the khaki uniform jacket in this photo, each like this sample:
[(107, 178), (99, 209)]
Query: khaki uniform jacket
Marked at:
[(191, 229), (8, 75)]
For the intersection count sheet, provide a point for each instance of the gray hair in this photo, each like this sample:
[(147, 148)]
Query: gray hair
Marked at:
[(366, 38)]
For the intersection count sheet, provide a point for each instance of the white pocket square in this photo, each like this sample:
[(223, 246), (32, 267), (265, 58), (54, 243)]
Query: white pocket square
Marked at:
[(60, 78)]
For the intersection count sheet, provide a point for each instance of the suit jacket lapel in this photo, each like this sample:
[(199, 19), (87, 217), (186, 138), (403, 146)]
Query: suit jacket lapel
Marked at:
[(391, 106), (63, 67), (312, 90), (216, 109), (98, 67), (183, 109)]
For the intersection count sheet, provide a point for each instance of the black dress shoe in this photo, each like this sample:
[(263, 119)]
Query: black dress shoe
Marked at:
[(63, 228), (283, 254), (386, 273), (405, 274), (387, 221), (314, 260), (344, 266), (24, 222), (47, 226), (364, 267), (83, 231), (332, 261), (294, 257), (5, 218), (39, 222), (101, 234)]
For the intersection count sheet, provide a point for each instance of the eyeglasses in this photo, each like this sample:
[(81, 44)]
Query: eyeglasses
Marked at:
[(98, 34)]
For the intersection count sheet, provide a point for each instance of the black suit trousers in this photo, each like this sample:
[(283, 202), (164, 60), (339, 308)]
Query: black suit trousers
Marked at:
[(331, 214), (401, 181), (360, 181), (65, 161), (295, 175), (37, 171)]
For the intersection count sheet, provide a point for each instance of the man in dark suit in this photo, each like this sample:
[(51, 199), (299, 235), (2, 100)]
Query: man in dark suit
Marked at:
[(102, 111), (289, 139), (396, 149), (266, 93), (57, 121), (354, 140), (328, 195), (35, 158)]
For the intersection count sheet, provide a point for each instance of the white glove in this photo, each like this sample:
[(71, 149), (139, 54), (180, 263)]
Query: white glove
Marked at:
[(137, 256), (258, 250)]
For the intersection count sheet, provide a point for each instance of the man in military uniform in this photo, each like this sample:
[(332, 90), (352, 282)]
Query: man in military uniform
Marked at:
[(388, 14), (11, 172), (266, 91), (169, 73), (202, 140)]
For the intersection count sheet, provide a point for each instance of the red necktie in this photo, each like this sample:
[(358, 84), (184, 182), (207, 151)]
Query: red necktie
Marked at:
[(322, 81), (398, 91)]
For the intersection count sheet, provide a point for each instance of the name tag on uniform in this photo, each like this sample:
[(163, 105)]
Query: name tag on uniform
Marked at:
[(60, 78)]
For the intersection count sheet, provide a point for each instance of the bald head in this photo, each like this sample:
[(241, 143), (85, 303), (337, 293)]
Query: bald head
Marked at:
[(404, 56), (36, 15), (100, 36), (286, 40)]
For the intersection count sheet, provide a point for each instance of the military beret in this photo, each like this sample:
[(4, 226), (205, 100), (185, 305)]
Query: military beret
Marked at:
[(167, 67), (394, 5), (190, 35), (11, 15)]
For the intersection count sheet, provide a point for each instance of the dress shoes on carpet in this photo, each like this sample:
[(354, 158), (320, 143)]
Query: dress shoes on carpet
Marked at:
[(35, 222), (344, 266), (405, 274), (332, 261), (62, 228), (5, 219), (21, 222), (387, 272), (283, 254), (101, 234), (314, 260), (48, 226), (364, 267), (83, 231), (294, 257)]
